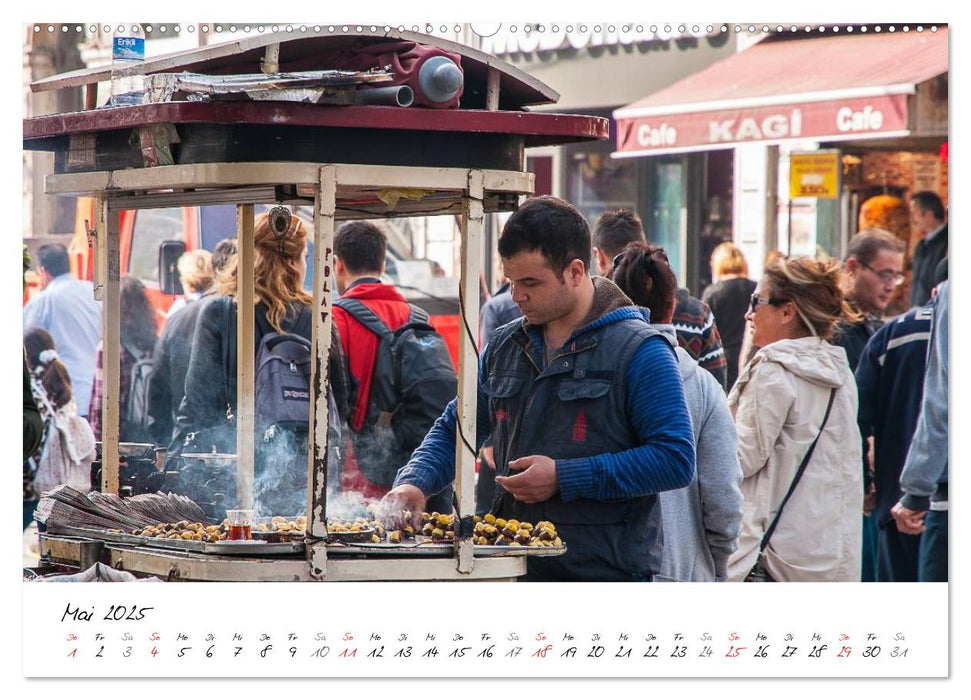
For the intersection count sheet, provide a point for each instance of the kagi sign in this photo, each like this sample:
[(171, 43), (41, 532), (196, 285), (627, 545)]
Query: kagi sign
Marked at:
[(828, 120)]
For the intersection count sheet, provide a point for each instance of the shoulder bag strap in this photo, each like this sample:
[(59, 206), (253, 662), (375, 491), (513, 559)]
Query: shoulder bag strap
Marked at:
[(799, 473), (418, 315), (363, 315), (229, 349)]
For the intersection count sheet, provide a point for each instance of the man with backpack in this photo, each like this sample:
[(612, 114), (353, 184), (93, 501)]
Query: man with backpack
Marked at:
[(401, 375)]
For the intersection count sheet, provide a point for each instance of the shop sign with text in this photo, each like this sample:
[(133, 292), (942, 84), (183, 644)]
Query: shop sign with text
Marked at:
[(829, 120), (814, 174)]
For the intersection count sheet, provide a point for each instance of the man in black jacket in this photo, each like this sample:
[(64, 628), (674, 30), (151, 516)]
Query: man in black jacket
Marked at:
[(927, 216), (873, 269)]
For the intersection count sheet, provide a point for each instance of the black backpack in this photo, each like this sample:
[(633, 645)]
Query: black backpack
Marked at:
[(412, 383), (134, 419)]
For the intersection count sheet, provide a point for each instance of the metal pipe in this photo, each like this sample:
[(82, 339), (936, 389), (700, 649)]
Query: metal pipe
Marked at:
[(271, 60), (394, 96)]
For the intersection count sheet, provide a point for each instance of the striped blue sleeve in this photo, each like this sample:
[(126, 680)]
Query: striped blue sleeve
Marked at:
[(432, 465), (657, 409)]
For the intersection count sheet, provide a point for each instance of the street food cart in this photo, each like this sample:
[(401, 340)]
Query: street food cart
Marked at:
[(349, 161)]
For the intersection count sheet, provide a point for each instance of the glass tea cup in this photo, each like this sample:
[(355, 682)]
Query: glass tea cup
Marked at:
[(240, 524)]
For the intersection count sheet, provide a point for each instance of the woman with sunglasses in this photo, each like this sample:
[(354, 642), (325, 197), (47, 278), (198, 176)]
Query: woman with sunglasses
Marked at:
[(795, 408)]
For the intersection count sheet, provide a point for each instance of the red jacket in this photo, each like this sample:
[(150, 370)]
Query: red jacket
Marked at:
[(361, 348)]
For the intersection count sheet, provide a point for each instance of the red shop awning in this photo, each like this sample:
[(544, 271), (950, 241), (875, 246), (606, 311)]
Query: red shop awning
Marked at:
[(833, 88)]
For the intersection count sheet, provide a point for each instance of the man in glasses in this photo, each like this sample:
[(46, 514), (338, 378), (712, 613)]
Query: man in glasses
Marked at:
[(873, 269)]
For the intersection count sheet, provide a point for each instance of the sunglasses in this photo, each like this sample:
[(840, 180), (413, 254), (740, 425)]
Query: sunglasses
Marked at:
[(757, 301)]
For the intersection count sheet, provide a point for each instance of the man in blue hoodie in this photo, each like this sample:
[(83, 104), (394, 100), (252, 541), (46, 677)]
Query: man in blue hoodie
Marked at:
[(585, 404), (923, 508)]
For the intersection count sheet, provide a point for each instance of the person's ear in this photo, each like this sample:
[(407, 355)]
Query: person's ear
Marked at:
[(852, 266), (602, 262), (577, 271), (339, 268), (789, 314)]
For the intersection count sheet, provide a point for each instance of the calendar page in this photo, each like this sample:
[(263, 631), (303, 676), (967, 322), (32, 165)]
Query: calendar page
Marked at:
[(796, 437)]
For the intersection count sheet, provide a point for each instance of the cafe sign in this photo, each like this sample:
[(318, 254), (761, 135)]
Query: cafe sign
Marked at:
[(660, 130)]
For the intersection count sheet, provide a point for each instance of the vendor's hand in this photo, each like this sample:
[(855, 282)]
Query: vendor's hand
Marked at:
[(869, 500), (489, 457), (909, 522), (391, 509), (535, 482)]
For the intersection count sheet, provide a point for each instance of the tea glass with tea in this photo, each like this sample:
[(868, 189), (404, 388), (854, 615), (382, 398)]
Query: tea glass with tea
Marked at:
[(240, 524)]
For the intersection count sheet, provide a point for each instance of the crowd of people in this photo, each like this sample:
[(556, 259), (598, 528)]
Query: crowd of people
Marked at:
[(778, 429)]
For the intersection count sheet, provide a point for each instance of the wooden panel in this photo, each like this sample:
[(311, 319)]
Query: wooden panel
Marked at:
[(540, 128), (245, 357), (109, 228), (377, 176), (471, 252), (323, 299)]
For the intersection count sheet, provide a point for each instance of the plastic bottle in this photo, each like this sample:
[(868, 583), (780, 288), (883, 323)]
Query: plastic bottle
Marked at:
[(127, 49)]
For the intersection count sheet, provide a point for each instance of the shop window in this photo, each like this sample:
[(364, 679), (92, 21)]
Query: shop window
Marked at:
[(597, 183), (665, 227)]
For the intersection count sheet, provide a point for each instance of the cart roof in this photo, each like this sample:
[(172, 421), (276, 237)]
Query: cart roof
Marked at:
[(517, 89), (503, 130)]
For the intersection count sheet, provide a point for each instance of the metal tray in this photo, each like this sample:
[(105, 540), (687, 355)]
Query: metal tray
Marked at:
[(441, 548), (232, 547), (104, 535)]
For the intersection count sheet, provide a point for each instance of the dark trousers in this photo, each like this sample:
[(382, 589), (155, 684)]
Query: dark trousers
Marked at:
[(933, 547), (869, 570), (897, 555)]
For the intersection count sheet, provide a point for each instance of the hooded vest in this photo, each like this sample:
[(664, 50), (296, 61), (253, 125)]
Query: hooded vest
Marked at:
[(574, 407)]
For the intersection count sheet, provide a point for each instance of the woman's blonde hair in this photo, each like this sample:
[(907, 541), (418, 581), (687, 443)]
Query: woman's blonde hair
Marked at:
[(813, 286), (278, 282), (727, 259), (195, 269)]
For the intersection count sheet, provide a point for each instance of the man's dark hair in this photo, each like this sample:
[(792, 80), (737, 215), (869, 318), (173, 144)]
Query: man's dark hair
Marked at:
[(224, 250), (53, 258), (361, 246), (929, 201), (553, 227), (615, 229), (866, 245)]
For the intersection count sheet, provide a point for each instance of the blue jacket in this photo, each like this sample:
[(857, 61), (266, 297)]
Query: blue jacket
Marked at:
[(924, 477), (656, 407), (890, 380)]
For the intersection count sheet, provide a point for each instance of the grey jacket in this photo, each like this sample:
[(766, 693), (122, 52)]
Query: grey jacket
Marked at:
[(702, 521), (924, 476)]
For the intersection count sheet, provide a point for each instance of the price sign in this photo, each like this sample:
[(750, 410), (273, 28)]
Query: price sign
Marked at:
[(814, 174)]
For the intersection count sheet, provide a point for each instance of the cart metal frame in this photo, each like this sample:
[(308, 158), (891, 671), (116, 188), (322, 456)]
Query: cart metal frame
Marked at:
[(246, 184)]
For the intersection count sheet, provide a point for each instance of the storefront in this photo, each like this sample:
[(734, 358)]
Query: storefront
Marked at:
[(598, 68), (872, 100)]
